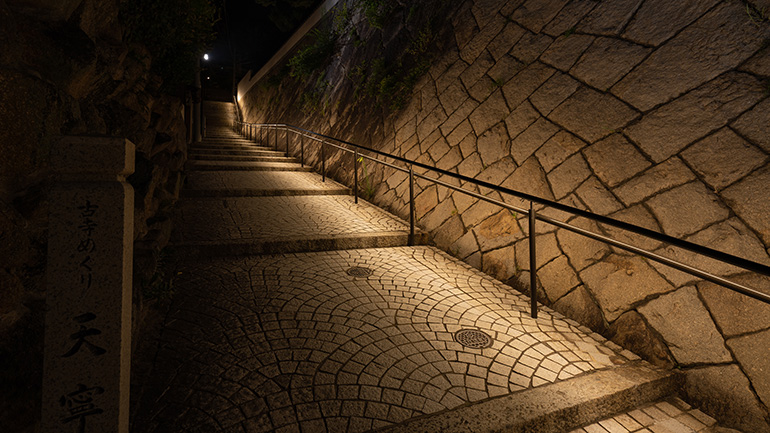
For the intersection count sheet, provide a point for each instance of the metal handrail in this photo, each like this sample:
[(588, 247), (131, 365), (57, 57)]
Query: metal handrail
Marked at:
[(531, 212)]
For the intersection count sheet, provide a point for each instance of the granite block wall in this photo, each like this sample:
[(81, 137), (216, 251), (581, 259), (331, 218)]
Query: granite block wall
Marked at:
[(649, 111)]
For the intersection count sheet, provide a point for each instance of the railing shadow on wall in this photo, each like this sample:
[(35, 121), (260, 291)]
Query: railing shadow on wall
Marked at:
[(264, 132)]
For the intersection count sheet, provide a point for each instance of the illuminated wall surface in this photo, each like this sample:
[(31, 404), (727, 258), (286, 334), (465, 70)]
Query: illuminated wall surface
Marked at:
[(652, 112)]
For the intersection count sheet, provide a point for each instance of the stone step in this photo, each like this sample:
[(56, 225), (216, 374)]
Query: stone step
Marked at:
[(258, 184), (669, 415), (254, 151), (234, 147), (284, 224), (245, 166), (228, 157), (554, 408)]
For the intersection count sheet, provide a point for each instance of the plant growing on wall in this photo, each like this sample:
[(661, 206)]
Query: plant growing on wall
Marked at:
[(314, 56)]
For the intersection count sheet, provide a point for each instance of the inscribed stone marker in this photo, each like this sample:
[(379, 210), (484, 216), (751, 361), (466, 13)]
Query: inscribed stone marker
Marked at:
[(90, 256)]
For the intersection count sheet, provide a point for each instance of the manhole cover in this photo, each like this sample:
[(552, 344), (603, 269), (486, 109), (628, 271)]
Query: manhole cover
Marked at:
[(358, 271), (473, 338)]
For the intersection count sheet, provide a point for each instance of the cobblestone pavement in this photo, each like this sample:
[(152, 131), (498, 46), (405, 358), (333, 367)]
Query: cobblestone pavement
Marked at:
[(270, 218), (295, 343), (670, 416), (264, 183)]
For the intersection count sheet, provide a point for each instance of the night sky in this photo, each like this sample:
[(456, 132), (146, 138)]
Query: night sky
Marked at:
[(254, 36)]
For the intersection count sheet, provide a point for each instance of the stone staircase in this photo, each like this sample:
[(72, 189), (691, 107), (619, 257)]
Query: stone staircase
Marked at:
[(297, 309)]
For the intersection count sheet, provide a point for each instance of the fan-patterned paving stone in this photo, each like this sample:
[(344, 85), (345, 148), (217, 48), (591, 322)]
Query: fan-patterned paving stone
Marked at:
[(238, 218), (295, 343)]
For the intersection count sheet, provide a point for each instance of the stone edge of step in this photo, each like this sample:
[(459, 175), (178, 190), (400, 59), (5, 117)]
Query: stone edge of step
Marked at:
[(555, 408), (298, 244)]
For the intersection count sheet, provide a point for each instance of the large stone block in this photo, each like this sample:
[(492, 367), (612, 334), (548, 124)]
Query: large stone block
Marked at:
[(751, 353), (568, 17), (520, 119), (670, 128), (569, 175), (557, 278), (518, 88), (733, 312), (547, 249), (457, 125), (632, 332), (716, 43), (448, 233), (724, 392), (618, 283), (453, 97), (755, 125), (687, 209), (479, 212), (465, 246), (658, 20), (504, 40), (493, 144), (528, 178), (471, 50), (497, 231), (530, 46), (708, 158), (750, 199), (582, 251), (592, 115), (557, 149), (489, 113), (471, 166), (500, 263), (477, 69), (565, 51), (597, 197), (497, 172), (731, 236), (608, 60), (578, 305), (663, 176), (553, 92), (686, 327), (526, 143), (535, 14), (614, 159), (609, 18)]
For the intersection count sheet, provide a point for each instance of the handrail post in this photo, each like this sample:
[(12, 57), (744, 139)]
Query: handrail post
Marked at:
[(355, 174), (302, 150), (532, 262), (410, 242), (286, 129), (275, 137), (323, 161)]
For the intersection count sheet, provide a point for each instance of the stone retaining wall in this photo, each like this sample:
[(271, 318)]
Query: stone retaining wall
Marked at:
[(649, 111)]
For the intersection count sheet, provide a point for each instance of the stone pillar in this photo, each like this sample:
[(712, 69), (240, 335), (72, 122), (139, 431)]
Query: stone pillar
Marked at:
[(90, 257)]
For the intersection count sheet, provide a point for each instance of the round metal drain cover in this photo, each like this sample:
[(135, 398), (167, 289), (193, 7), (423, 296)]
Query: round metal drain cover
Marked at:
[(358, 271), (473, 338)]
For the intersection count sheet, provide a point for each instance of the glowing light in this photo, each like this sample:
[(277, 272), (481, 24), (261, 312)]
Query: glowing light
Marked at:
[(239, 97), (205, 56)]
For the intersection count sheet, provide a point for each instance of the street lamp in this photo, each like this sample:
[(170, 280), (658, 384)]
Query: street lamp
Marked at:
[(197, 112)]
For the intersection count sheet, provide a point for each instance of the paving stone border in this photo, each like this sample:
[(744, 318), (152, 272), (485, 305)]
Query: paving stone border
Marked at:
[(646, 111)]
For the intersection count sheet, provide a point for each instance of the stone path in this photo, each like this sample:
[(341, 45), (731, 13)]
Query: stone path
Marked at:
[(670, 416), (403, 338)]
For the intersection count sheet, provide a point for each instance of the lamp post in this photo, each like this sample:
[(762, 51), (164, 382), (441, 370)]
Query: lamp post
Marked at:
[(197, 99)]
